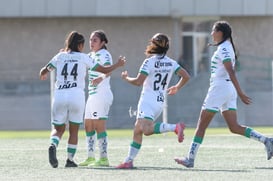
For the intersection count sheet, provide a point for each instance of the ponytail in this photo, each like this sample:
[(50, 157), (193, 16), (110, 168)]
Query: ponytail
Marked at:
[(233, 46)]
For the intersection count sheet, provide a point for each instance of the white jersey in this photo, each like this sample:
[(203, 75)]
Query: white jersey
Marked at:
[(104, 58), (222, 94), (159, 72), (223, 53), (70, 69)]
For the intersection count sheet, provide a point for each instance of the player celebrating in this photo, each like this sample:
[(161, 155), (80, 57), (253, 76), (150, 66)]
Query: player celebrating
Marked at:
[(69, 97), (96, 111), (222, 95), (155, 75)]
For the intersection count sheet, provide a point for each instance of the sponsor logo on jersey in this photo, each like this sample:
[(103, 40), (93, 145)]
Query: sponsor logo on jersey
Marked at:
[(159, 64), (67, 85)]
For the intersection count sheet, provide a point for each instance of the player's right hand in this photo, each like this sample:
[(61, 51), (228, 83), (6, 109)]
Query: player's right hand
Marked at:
[(121, 61), (43, 77)]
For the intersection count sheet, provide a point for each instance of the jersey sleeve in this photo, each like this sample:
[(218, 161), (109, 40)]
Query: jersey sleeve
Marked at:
[(177, 67), (107, 59), (144, 69), (52, 64), (225, 54), (90, 62)]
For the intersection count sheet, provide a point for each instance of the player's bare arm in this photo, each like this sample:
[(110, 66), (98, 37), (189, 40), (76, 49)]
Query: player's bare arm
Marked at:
[(245, 99), (138, 80), (185, 77), (43, 73), (121, 62)]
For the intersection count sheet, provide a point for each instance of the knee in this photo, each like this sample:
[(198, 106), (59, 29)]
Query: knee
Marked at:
[(147, 130)]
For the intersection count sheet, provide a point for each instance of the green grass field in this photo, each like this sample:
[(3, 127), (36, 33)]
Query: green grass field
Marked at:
[(222, 156)]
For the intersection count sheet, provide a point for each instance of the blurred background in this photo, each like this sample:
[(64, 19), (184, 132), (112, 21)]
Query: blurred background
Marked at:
[(33, 31)]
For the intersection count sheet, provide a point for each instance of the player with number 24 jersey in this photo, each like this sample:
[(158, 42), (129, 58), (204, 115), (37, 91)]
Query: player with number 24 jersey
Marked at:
[(159, 72)]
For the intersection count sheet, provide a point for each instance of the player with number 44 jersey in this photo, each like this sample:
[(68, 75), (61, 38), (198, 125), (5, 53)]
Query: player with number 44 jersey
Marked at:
[(154, 75)]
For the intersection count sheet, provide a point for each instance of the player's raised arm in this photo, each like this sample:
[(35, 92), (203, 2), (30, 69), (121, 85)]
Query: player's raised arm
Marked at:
[(138, 80), (121, 62)]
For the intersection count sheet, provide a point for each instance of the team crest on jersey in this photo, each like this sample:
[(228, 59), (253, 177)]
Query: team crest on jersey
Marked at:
[(95, 114), (160, 97)]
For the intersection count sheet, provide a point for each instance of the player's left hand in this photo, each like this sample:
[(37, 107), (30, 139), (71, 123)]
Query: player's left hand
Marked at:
[(124, 74), (172, 90), (96, 81)]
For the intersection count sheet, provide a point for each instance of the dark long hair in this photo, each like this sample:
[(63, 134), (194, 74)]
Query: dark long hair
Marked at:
[(73, 40), (225, 28), (102, 36), (159, 44)]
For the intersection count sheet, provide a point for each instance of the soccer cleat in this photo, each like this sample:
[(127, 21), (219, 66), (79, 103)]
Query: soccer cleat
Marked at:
[(179, 130), (101, 162), (52, 156), (189, 163), (70, 163), (125, 165), (269, 147), (88, 161)]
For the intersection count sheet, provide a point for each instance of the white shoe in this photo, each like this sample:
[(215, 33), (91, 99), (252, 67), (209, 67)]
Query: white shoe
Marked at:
[(269, 147), (187, 162)]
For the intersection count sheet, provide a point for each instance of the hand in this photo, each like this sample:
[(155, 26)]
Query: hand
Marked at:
[(121, 61), (172, 90), (96, 81), (245, 99), (43, 77), (124, 75)]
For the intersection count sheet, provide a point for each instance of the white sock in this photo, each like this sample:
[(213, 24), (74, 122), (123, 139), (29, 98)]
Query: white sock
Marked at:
[(91, 144), (165, 127), (257, 136), (55, 140), (193, 150), (133, 151), (103, 143), (71, 150)]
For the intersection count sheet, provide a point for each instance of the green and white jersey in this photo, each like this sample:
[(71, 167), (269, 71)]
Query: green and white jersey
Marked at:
[(159, 72), (104, 58), (71, 69), (223, 54)]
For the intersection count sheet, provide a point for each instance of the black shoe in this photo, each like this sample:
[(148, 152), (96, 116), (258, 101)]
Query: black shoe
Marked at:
[(70, 163), (52, 156)]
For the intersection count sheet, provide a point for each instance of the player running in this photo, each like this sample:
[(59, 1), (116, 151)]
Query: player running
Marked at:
[(69, 97), (155, 75), (222, 95)]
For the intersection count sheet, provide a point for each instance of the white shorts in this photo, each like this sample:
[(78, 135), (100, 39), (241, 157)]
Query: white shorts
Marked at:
[(221, 96), (68, 105), (149, 110), (98, 105)]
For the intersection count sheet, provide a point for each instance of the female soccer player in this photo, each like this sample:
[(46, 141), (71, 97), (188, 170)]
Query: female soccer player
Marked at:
[(222, 95), (97, 109), (155, 75), (69, 97)]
